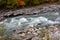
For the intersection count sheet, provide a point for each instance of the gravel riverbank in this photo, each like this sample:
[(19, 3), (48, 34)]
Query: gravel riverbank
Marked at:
[(32, 10), (52, 33)]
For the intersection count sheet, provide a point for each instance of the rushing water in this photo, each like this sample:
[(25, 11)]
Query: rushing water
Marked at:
[(26, 21), (31, 19)]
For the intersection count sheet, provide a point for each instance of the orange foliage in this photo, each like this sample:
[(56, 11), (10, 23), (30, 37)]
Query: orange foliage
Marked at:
[(20, 2)]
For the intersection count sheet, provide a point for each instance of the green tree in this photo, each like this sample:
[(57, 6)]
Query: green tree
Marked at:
[(10, 3), (36, 2), (2, 2)]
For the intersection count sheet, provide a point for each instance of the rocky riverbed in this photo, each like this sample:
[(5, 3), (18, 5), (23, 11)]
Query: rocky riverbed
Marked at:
[(32, 10), (35, 10), (32, 33)]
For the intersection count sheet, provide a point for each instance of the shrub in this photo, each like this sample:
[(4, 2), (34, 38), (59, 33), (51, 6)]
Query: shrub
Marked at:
[(2, 29), (8, 38), (59, 1), (35, 2), (2, 2), (20, 3), (10, 3)]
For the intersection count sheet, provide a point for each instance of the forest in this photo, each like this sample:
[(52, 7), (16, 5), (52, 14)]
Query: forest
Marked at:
[(22, 3)]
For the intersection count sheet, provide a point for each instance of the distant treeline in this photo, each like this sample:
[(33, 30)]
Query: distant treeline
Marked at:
[(17, 3)]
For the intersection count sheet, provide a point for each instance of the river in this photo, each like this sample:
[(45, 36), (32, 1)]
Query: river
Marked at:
[(53, 16), (26, 21)]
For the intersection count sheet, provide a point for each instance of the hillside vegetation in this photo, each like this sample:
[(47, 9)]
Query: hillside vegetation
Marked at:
[(21, 3)]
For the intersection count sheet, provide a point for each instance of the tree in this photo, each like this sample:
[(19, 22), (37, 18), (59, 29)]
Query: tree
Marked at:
[(20, 3), (10, 3), (2, 2)]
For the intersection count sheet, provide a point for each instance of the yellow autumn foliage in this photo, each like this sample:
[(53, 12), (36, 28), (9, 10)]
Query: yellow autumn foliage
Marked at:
[(20, 2)]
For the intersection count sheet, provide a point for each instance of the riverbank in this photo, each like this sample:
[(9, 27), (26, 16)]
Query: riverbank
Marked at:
[(39, 9), (52, 33), (32, 33), (32, 10)]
